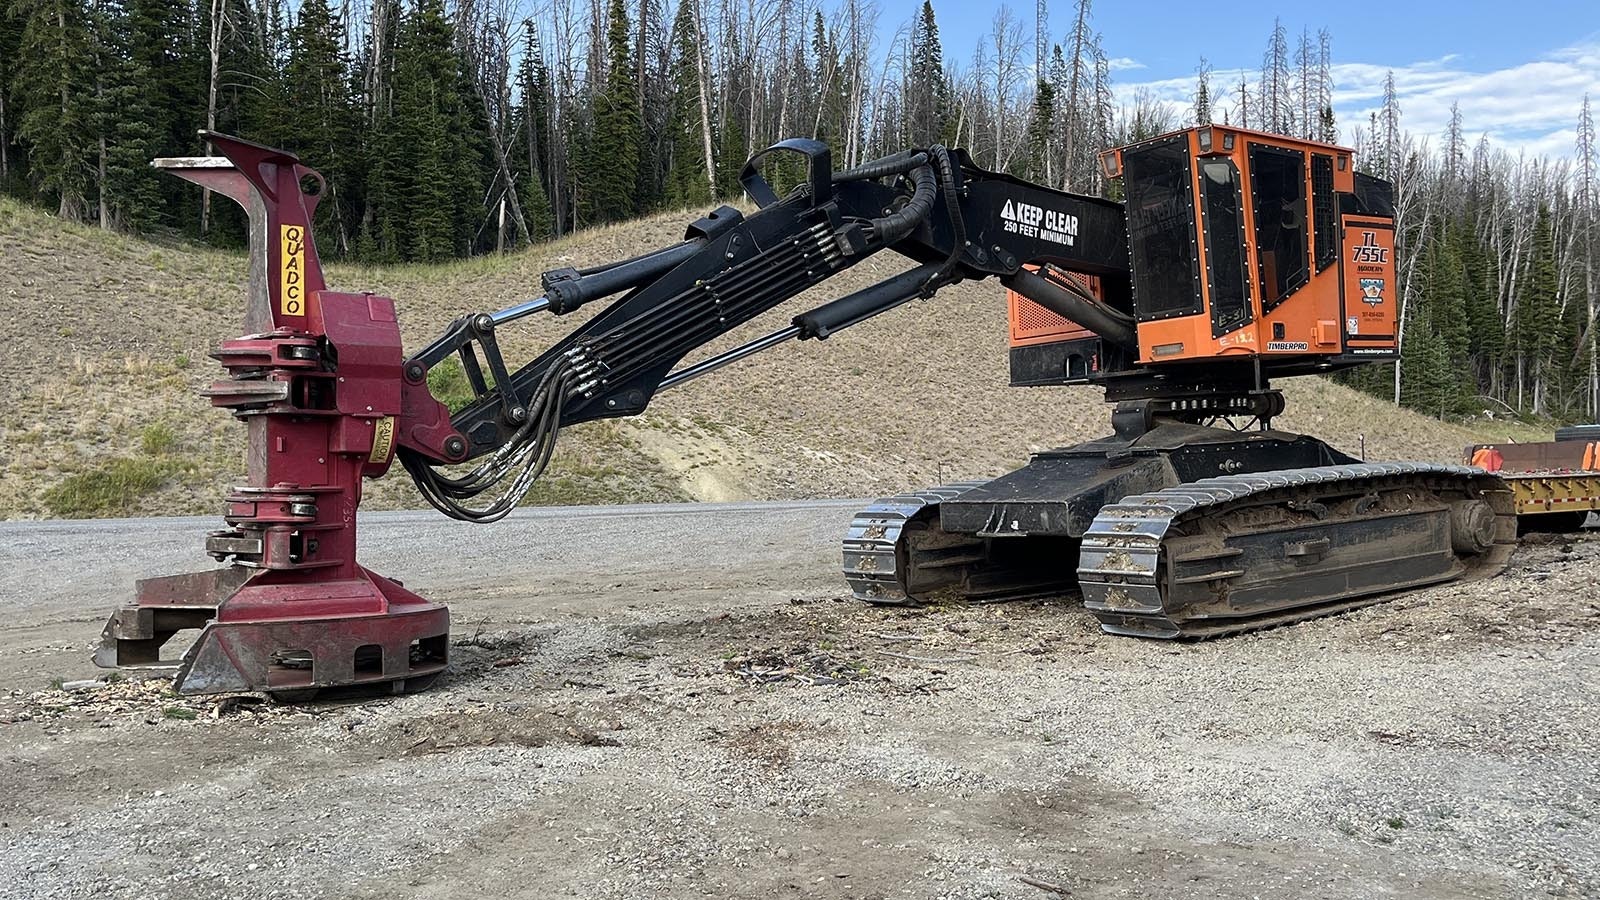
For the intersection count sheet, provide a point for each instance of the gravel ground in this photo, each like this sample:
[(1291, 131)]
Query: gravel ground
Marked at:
[(732, 736)]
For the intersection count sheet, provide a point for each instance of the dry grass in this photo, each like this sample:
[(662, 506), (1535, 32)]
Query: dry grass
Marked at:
[(110, 335)]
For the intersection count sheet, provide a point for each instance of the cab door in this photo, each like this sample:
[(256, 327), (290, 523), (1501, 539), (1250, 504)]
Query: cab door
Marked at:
[(1227, 275)]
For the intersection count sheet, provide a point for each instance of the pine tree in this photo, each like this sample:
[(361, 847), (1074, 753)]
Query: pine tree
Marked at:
[(428, 178), (163, 40), (167, 54), (126, 121), (1429, 384), (249, 104), (1449, 294), (1202, 93), (10, 43), (54, 89), (1036, 163), (1276, 109), (1537, 318), (323, 128), (612, 158), (1587, 203), (1387, 125), (1486, 335), (530, 128), (1455, 149), (927, 91), (1327, 128), (688, 183)]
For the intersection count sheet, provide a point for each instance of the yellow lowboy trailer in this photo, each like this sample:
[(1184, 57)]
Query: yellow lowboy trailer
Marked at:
[(1555, 484)]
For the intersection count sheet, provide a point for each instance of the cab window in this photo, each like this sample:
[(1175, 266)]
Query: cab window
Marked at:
[(1160, 209), (1278, 191), (1224, 227)]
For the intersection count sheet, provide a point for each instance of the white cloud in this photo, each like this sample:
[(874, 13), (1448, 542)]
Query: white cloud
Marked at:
[(1124, 63), (1530, 107)]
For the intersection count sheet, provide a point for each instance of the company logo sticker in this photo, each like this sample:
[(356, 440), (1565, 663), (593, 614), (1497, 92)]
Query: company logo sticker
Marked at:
[(292, 280)]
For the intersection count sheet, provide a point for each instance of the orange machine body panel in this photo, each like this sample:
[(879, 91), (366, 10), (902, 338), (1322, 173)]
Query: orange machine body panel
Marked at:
[(1372, 318), (1034, 324), (1275, 266)]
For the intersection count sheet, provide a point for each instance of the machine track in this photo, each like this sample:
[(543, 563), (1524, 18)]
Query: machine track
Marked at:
[(1212, 557), (875, 560), (896, 554), (1235, 553)]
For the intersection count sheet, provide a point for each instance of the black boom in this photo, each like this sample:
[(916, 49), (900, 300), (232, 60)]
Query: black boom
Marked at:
[(955, 220)]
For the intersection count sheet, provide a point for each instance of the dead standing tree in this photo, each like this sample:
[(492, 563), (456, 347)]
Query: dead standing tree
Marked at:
[(484, 33), (1007, 77)]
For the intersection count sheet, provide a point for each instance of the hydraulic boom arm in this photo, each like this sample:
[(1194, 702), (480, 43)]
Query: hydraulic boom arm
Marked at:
[(1239, 256), (953, 220)]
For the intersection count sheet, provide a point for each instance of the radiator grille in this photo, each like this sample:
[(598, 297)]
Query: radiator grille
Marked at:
[(1033, 324)]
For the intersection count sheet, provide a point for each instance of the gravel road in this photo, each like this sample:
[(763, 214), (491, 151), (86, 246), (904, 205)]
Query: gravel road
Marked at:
[(680, 702)]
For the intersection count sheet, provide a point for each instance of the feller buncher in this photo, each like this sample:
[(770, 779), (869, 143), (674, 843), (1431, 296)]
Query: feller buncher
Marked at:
[(1238, 258)]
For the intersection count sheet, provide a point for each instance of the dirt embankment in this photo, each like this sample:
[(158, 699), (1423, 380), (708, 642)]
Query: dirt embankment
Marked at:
[(101, 415)]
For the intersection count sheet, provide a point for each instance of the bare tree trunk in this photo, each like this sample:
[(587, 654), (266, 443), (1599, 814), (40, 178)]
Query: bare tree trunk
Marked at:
[(879, 93), (961, 120), (1076, 76), (373, 80), (852, 144), (827, 71), (1413, 213), (219, 14), (500, 230), (561, 112), (67, 209), (1007, 39), (5, 157), (640, 53), (497, 143), (487, 49), (105, 208), (705, 94)]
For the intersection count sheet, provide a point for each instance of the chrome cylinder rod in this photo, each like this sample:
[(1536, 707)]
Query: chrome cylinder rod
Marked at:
[(722, 359), (525, 308)]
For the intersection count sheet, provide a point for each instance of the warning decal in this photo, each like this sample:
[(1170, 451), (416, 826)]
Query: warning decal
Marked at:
[(1037, 222), (292, 283), (382, 440)]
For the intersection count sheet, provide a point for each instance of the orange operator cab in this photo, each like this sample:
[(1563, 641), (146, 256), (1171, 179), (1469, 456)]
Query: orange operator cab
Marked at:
[(1246, 244)]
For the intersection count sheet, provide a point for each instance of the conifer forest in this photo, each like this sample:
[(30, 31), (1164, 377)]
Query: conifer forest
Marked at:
[(449, 128)]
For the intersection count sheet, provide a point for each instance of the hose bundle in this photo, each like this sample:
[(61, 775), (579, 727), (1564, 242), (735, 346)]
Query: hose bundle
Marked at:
[(522, 459)]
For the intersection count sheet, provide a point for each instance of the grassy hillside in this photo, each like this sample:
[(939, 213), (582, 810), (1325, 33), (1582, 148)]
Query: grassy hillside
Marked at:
[(107, 337)]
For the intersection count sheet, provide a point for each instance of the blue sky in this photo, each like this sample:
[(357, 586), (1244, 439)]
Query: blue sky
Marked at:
[(1518, 70)]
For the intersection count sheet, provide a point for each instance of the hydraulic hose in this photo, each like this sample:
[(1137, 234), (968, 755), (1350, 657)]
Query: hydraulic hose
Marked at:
[(894, 164), (1097, 317), (902, 222), (958, 224)]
